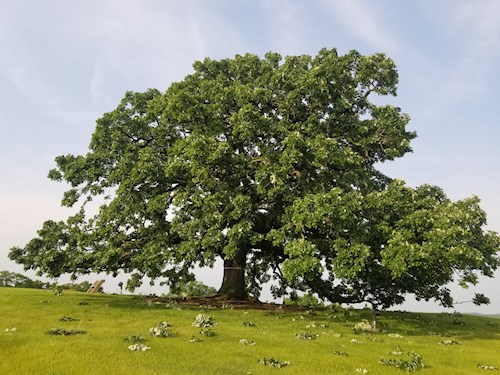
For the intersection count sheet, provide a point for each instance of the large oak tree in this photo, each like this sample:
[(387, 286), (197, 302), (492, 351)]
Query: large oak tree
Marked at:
[(271, 165)]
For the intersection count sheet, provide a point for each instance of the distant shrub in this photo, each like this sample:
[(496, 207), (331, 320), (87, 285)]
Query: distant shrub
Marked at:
[(16, 280), (79, 287), (307, 300), (191, 288)]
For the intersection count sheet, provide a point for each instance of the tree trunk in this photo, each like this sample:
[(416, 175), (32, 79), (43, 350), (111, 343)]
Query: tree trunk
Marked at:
[(233, 282)]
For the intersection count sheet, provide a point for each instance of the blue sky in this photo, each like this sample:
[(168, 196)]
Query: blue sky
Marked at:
[(64, 63)]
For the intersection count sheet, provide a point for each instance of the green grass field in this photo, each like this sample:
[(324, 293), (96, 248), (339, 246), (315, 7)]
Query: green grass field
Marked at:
[(110, 319)]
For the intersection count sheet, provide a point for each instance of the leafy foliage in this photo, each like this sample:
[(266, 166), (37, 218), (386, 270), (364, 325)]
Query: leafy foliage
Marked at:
[(203, 320), (306, 335), (79, 287), (412, 364), (271, 165), (191, 288), (208, 332), (135, 339), (162, 329), (273, 362), (306, 300), (65, 332)]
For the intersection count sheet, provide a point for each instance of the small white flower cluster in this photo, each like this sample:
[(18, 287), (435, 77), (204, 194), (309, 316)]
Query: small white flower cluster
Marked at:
[(487, 367), (395, 335), (139, 347), (316, 325), (397, 352), (203, 320), (365, 326), (162, 329), (13, 329), (362, 370), (247, 342), (449, 342)]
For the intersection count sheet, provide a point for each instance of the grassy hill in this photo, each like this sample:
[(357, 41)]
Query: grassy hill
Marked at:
[(314, 342)]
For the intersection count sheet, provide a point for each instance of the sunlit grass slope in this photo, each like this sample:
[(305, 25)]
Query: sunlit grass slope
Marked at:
[(447, 343)]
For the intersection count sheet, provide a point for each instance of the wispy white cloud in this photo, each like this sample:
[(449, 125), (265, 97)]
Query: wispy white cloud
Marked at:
[(285, 22), (364, 20), (153, 46), (18, 68), (473, 33), (478, 24), (113, 45)]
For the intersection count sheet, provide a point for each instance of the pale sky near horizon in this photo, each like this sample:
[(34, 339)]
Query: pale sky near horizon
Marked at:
[(64, 63)]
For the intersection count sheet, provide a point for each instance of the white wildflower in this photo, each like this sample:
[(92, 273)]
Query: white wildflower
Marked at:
[(139, 347), (247, 342), (203, 320), (395, 335)]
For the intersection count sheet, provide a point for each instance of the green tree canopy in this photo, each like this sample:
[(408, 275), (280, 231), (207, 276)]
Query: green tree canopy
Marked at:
[(271, 165), (17, 280)]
